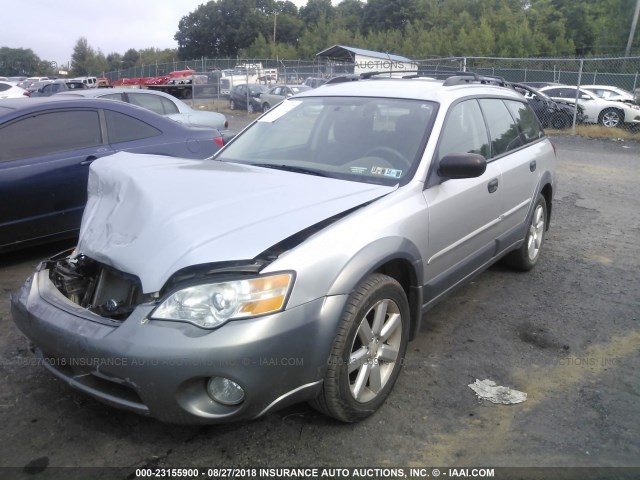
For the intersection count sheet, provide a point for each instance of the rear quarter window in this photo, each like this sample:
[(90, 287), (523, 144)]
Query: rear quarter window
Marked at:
[(123, 128), (155, 103)]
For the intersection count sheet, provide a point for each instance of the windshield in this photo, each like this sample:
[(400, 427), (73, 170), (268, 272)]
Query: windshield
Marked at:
[(371, 140)]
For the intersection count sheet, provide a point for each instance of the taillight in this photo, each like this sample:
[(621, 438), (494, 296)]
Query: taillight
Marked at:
[(26, 94), (219, 141)]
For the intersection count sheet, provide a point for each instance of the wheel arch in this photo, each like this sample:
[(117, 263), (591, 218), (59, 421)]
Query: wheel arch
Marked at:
[(547, 192), (395, 257)]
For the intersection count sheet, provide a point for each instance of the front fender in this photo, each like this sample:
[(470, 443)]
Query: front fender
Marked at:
[(395, 256)]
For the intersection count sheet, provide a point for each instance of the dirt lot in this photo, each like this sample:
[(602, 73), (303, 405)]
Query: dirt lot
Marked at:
[(566, 333)]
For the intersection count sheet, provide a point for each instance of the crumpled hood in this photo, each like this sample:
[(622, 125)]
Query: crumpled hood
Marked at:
[(151, 215)]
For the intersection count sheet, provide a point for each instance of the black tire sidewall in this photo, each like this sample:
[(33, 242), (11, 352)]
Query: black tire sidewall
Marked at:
[(527, 262), (386, 289)]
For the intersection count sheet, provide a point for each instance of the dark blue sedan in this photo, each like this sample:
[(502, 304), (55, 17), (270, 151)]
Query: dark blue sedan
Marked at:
[(47, 145)]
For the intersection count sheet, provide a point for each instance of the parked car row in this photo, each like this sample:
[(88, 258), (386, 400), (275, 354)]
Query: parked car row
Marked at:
[(600, 105), (277, 93)]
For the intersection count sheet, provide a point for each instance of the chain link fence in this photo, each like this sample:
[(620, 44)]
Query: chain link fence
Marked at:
[(214, 78), (622, 72)]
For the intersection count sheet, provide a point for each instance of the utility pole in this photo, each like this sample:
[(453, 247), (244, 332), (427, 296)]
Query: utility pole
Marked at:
[(634, 24), (275, 16)]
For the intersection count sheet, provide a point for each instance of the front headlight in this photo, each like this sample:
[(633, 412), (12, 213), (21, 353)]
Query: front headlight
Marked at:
[(212, 304)]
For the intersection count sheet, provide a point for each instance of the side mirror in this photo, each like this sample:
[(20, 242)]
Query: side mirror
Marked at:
[(462, 165)]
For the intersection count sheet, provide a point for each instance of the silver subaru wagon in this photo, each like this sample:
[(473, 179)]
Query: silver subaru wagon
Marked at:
[(296, 263)]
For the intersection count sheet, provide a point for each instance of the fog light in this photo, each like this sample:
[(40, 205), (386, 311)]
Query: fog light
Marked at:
[(225, 391)]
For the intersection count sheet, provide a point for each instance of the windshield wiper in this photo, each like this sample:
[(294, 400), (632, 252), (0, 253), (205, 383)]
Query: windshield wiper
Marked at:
[(291, 168)]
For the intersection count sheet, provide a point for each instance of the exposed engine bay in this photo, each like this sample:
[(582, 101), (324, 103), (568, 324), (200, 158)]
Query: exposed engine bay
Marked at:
[(98, 288)]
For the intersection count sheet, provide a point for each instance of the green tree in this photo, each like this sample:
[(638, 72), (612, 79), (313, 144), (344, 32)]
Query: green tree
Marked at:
[(21, 62), (130, 58), (317, 11), (114, 61), (82, 58), (349, 15), (383, 15), (219, 29)]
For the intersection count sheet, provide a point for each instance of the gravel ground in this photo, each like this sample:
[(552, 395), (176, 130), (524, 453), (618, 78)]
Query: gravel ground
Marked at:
[(566, 333)]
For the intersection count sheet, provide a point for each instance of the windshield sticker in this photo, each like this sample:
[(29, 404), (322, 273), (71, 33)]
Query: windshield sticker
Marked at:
[(358, 170), (284, 108), (386, 172)]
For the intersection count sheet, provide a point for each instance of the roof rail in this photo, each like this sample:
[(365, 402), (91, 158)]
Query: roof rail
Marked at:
[(342, 79), (451, 78)]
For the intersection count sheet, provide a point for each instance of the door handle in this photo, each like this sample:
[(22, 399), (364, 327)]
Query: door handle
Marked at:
[(532, 166), (89, 160), (492, 186)]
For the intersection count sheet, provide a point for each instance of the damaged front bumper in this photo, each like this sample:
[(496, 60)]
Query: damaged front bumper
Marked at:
[(161, 368)]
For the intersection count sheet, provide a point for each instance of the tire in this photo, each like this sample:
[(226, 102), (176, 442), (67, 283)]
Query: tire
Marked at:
[(186, 94), (368, 350), (559, 121), (232, 105), (526, 257), (611, 117), (265, 106)]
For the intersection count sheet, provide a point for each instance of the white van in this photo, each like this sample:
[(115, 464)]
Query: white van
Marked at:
[(91, 82)]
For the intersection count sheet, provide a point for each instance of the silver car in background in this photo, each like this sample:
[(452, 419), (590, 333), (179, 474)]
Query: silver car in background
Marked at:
[(160, 103), (297, 263)]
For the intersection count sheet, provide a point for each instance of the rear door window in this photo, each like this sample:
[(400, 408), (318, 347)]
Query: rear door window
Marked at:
[(504, 132), (527, 121)]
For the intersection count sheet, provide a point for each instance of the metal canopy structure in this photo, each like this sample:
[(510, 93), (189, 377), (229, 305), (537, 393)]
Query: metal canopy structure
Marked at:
[(363, 61), (343, 53)]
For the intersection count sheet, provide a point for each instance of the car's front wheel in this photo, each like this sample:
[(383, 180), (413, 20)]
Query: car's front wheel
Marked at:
[(611, 117), (265, 106), (368, 350), (526, 257)]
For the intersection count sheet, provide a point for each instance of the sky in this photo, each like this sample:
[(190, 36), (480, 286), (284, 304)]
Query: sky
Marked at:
[(51, 29)]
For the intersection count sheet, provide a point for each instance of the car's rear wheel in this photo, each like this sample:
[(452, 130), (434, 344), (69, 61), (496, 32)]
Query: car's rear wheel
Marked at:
[(611, 117), (368, 350), (186, 94), (526, 257)]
